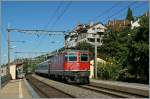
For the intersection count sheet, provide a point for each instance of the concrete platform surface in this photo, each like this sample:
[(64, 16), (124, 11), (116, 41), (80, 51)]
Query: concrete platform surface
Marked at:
[(119, 83), (134, 88), (15, 89)]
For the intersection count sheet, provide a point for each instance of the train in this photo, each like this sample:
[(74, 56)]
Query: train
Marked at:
[(72, 66)]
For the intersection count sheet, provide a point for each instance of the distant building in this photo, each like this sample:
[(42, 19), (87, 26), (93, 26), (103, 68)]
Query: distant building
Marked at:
[(89, 35), (71, 39), (86, 33), (16, 71), (118, 25), (135, 24)]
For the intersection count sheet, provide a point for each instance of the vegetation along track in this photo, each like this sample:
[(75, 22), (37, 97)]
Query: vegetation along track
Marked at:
[(110, 92), (46, 91)]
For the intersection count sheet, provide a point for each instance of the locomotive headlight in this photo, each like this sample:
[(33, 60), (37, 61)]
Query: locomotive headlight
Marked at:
[(78, 64)]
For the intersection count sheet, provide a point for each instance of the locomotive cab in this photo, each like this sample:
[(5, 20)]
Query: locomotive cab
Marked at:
[(78, 65)]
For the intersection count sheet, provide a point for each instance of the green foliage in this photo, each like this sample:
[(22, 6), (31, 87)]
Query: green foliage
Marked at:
[(130, 50), (138, 58), (115, 45), (30, 64), (108, 71), (129, 15), (127, 52), (85, 46)]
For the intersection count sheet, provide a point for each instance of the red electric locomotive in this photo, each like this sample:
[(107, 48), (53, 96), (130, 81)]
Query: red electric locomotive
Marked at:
[(69, 65)]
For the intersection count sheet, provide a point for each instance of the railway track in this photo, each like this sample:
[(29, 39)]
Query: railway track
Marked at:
[(46, 91), (44, 87), (110, 92)]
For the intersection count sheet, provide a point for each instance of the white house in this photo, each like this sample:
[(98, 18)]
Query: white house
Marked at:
[(135, 24), (89, 36), (86, 33), (71, 39)]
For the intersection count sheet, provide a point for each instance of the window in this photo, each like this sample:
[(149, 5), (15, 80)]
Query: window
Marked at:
[(66, 57), (93, 28), (72, 57), (84, 57)]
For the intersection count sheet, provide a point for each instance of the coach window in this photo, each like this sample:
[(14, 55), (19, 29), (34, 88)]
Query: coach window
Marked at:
[(84, 57), (72, 57)]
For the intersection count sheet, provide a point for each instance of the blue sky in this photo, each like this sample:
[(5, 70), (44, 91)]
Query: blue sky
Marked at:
[(43, 15)]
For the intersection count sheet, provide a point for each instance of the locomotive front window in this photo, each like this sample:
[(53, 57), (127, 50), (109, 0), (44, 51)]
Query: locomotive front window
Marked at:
[(66, 57), (72, 57), (84, 57)]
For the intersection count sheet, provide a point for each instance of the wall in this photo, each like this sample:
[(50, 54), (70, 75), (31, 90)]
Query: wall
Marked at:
[(13, 71)]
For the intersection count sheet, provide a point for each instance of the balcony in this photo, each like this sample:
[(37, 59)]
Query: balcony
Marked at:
[(86, 36)]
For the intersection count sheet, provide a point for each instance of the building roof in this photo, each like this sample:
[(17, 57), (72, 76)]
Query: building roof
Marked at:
[(95, 25), (119, 22)]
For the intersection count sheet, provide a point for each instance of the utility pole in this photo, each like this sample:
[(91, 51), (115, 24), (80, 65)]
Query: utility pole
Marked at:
[(8, 68), (0, 51), (95, 60)]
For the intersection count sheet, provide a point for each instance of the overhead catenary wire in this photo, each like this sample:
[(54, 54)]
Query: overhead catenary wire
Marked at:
[(53, 15), (118, 12), (100, 16), (107, 10), (50, 20), (40, 32), (61, 14)]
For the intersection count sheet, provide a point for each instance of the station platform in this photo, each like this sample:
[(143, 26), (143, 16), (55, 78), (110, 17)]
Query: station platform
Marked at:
[(134, 88), (16, 89), (119, 83)]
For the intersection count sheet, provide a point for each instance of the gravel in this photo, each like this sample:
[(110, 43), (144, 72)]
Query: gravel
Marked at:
[(72, 90)]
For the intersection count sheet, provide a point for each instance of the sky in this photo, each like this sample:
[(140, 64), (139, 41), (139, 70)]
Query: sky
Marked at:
[(56, 15)]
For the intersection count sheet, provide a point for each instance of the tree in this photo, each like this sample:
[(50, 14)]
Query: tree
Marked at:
[(129, 49), (129, 15), (138, 58), (115, 45), (86, 46)]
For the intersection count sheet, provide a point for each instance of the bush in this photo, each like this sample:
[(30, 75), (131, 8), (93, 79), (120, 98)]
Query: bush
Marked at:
[(108, 71)]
